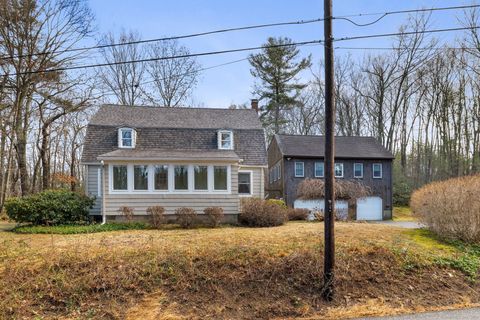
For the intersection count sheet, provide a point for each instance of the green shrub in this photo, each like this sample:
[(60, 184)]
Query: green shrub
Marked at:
[(78, 229), (52, 207), (186, 217), (262, 213), (214, 216), (157, 216)]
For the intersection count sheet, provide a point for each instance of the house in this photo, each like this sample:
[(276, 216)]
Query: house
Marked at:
[(173, 157), (293, 158)]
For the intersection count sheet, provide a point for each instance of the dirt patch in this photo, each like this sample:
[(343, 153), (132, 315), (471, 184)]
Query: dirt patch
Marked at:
[(228, 273)]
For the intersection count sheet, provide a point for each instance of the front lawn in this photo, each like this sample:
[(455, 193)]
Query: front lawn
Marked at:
[(230, 273)]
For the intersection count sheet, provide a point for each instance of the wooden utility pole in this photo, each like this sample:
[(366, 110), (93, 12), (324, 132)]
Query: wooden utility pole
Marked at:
[(329, 252)]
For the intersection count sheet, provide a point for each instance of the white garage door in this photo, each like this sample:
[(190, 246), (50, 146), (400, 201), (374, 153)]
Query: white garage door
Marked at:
[(318, 205), (369, 208)]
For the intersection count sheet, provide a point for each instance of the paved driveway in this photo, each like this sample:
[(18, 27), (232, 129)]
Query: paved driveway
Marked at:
[(401, 224), (464, 314)]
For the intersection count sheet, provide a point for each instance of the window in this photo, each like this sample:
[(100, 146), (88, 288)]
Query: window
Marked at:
[(120, 178), (126, 138), (219, 178), (319, 169), (160, 177), (200, 177), (181, 177), (244, 183), (377, 170), (358, 170), (299, 169), (338, 170), (225, 140), (140, 177)]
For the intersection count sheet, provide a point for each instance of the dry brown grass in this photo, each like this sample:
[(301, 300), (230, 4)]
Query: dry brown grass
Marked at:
[(450, 208), (223, 273)]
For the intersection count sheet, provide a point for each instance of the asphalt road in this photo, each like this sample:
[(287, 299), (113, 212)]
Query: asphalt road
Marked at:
[(464, 314)]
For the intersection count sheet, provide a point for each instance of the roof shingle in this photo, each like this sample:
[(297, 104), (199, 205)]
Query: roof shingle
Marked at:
[(163, 117), (345, 147)]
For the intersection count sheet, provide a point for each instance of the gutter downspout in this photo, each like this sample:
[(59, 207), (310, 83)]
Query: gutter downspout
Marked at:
[(104, 216)]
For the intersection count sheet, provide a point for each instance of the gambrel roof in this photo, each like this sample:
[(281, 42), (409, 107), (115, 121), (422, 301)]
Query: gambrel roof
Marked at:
[(189, 131)]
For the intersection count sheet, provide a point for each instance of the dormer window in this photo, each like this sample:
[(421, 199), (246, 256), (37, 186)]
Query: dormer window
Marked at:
[(225, 140), (126, 138)]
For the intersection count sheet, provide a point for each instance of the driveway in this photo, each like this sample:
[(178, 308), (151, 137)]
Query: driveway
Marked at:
[(464, 314), (401, 224)]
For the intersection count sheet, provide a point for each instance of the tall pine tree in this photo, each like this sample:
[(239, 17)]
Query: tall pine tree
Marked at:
[(276, 69)]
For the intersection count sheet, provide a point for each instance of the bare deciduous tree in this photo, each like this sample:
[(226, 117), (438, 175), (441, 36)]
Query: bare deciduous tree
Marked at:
[(174, 79), (125, 81)]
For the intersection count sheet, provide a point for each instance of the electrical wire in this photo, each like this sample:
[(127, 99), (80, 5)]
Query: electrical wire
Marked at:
[(267, 25), (405, 33), (166, 58), (192, 35)]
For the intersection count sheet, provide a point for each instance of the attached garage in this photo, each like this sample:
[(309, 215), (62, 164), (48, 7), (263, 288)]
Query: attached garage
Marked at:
[(318, 205), (370, 208)]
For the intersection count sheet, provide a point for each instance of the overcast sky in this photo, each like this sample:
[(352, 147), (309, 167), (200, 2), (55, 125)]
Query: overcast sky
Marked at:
[(223, 86)]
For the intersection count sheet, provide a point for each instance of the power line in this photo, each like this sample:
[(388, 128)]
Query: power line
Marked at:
[(408, 11), (166, 58), (399, 48), (267, 25), (192, 35), (405, 33), (193, 72)]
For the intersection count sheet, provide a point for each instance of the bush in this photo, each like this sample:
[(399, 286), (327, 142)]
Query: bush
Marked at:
[(297, 214), (278, 202), (262, 213), (311, 189), (214, 216), (450, 208), (186, 217), (52, 207), (127, 213), (157, 216)]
